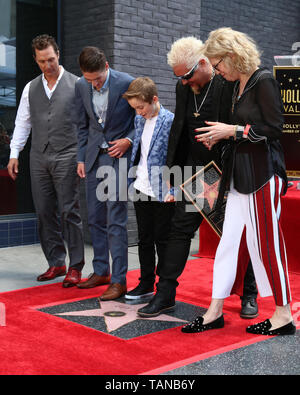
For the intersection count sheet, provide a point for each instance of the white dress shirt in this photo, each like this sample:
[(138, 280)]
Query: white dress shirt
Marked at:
[(23, 123)]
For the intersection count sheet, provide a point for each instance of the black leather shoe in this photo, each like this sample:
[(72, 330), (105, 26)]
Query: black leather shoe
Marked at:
[(197, 325), (156, 307), (249, 309), (140, 292), (263, 328)]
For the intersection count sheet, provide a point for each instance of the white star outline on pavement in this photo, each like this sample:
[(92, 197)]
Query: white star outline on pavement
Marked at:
[(114, 323)]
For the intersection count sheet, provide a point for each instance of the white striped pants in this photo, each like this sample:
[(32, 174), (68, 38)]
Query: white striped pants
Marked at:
[(260, 213)]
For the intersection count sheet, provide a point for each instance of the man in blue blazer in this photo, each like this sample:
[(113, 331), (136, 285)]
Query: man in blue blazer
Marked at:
[(105, 133)]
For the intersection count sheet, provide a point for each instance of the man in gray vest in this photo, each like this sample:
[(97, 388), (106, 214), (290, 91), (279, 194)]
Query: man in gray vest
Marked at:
[(46, 108)]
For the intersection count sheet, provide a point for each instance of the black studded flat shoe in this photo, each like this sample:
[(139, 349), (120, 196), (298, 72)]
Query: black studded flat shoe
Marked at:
[(197, 325), (263, 328)]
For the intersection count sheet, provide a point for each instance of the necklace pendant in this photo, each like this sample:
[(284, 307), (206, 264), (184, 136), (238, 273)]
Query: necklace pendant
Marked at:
[(100, 120), (196, 114)]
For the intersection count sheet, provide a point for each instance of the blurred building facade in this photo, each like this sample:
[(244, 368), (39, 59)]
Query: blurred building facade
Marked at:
[(136, 36)]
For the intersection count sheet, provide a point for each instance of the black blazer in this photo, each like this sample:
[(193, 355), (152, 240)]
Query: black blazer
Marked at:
[(256, 159)]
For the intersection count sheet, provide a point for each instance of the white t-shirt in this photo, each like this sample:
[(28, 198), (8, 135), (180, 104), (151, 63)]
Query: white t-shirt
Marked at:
[(142, 182)]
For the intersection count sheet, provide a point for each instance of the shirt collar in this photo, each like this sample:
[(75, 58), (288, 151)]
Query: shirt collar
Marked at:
[(105, 85), (61, 71)]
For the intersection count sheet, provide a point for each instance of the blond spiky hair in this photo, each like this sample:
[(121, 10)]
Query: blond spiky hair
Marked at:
[(186, 50)]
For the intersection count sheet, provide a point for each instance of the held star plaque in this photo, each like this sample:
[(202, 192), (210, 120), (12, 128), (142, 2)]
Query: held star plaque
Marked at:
[(202, 190)]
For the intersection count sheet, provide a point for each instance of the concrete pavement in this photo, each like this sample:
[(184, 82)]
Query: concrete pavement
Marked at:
[(20, 266)]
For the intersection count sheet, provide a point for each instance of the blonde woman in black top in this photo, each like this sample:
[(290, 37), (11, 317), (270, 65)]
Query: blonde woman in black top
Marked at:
[(254, 174)]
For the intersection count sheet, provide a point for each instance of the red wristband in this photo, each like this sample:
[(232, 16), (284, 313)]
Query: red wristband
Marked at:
[(246, 131)]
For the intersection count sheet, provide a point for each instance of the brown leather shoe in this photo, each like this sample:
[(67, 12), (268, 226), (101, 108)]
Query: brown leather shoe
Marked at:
[(52, 273), (94, 281), (114, 291), (72, 278)]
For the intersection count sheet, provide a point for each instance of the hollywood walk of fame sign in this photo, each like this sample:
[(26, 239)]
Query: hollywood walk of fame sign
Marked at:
[(202, 190), (288, 78), (120, 319)]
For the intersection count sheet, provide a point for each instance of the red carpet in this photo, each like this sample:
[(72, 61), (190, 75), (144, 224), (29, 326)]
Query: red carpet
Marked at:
[(33, 342)]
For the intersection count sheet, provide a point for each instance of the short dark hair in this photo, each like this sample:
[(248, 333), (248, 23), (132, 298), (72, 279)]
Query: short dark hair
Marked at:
[(43, 41), (142, 88), (92, 59)]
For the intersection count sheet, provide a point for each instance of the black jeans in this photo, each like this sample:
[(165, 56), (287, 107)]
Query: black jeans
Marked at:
[(183, 228), (154, 223)]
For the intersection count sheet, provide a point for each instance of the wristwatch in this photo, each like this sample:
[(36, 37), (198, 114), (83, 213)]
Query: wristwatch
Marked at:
[(241, 132)]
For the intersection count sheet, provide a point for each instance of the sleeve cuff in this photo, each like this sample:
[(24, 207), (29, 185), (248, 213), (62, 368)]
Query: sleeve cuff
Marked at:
[(14, 154)]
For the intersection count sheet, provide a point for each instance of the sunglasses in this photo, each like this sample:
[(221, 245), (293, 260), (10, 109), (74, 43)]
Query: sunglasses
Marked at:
[(189, 74), (216, 66)]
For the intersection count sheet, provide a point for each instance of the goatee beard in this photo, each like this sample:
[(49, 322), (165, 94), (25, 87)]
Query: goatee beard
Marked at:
[(196, 89)]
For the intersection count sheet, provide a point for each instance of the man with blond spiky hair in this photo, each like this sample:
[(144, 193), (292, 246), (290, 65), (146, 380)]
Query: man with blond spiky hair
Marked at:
[(200, 96), (188, 51)]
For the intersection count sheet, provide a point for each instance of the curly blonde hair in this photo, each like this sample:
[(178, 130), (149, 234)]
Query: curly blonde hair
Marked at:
[(225, 41), (187, 51)]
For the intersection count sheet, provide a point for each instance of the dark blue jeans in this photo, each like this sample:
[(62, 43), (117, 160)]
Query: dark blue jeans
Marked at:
[(107, 222)]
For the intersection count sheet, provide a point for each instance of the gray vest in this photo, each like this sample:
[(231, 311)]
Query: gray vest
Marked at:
[(53, 120)]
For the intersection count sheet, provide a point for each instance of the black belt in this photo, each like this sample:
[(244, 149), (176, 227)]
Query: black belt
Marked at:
[(103, 150)]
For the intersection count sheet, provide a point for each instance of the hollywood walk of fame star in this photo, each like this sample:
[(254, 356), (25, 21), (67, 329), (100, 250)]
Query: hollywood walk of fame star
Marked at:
[(210, 192), (115, 321)]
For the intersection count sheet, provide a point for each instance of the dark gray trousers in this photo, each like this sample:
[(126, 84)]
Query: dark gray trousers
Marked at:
[(55, 191)]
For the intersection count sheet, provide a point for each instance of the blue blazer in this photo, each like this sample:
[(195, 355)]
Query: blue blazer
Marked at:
[(119, 121), (157, 152)]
